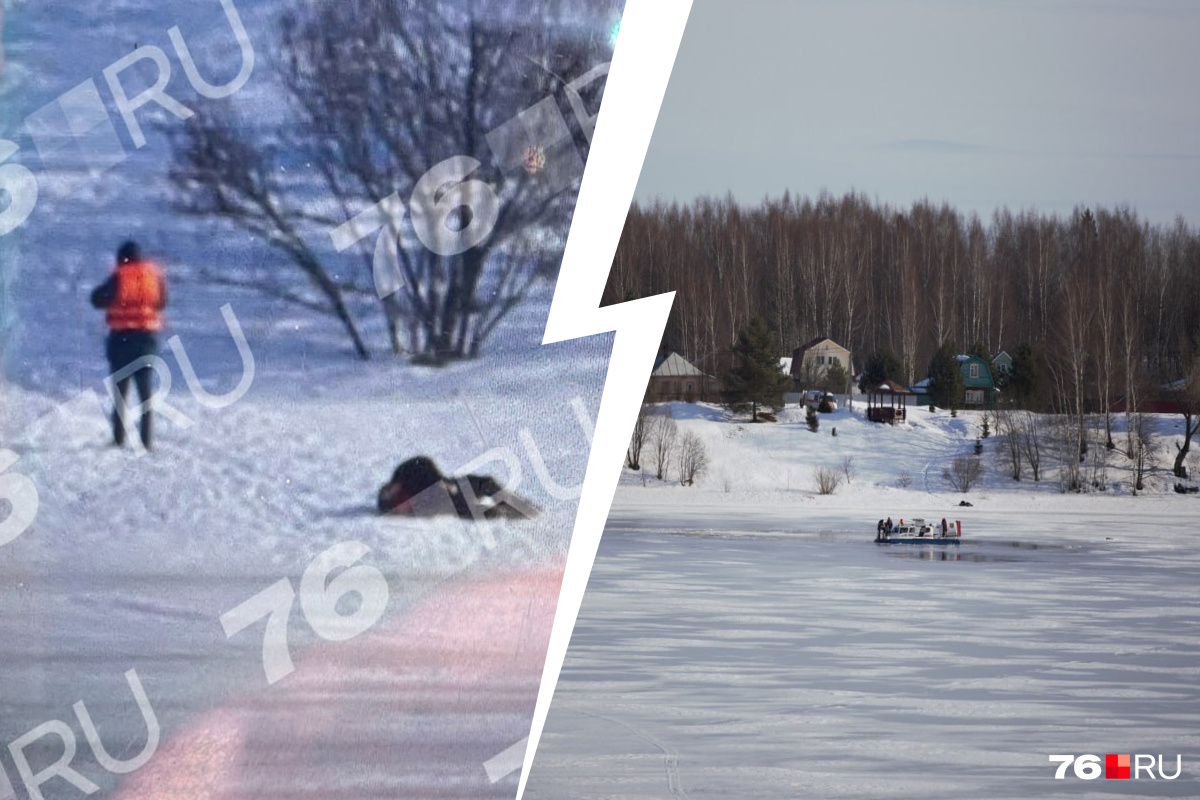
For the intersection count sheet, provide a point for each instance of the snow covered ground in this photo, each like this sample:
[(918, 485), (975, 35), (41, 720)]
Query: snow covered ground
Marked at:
[(132, 561), (756, 643), (753, 462)]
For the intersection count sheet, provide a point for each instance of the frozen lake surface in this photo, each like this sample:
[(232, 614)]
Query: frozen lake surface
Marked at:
[(716, 664)]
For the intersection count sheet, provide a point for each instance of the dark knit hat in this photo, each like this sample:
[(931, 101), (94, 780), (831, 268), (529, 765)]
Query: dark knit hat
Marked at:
[(129, 251)]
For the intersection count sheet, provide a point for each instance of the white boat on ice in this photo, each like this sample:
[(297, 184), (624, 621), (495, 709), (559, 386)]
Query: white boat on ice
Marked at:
[(918, 531)]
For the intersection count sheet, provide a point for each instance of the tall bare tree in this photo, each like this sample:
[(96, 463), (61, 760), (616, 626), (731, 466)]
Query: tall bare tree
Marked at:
[(443, 122), (1104, 305), (1186, 392)]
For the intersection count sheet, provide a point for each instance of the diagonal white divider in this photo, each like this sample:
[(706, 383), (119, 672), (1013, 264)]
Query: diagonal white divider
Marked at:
[(641, 67)]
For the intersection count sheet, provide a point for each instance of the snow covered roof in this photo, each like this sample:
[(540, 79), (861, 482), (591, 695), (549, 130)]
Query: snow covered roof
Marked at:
[(921, 384), (673, 365)]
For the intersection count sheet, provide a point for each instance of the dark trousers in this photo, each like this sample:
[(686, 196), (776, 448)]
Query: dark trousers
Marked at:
[(123, 349)]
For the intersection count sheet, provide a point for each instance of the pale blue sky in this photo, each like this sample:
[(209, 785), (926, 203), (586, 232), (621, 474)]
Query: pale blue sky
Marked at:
[(1026, 103)]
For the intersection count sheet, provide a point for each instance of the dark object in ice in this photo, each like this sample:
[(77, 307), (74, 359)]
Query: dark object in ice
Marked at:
[(419, 488)]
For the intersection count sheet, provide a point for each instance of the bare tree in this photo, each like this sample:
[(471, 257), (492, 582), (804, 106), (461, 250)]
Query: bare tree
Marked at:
[(963, 473), (637, 442), (221, 174), (849, 471), (1120, 242), (1009, 430), (1076, 322), (1103, 301), (1131, 353), (1031, 443), (827, 479), (1066, 445), (1186, 392), (693, 458), (1145, 450), (1097, 434), (439, 121), (663, 434), (904, 479)]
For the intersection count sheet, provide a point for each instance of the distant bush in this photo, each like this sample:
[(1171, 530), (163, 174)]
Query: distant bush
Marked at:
[(904, 479), (964, 473), (827, 480), (641, 430), (662, 438), (810, 419), (1145, 450), (693, 459)]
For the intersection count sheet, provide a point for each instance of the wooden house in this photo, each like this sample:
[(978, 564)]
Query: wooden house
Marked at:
[(980, 388), (676, 378), (812, 360), (978, 381), (1002, 365)]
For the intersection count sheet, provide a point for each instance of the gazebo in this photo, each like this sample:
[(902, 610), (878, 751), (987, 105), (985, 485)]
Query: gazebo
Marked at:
[(887, 402)]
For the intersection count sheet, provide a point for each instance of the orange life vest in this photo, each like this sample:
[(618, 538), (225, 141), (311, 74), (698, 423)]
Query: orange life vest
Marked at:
[(138, 301)]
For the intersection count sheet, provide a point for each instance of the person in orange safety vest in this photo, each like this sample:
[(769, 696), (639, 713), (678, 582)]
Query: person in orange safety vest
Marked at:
[(133, 299)]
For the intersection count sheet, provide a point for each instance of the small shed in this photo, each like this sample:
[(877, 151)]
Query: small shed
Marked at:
[(676, 378), (887, 402)]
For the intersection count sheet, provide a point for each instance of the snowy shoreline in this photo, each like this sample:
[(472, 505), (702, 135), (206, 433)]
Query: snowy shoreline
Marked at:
[(760, 479)]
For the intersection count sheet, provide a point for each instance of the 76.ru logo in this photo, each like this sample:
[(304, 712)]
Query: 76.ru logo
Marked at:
[(1116, 765)]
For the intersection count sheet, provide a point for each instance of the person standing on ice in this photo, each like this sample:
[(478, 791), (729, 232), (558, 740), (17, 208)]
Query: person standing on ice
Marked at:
[(133, 299)]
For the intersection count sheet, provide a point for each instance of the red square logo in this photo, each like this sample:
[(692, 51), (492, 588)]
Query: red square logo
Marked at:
[(1116, 766)]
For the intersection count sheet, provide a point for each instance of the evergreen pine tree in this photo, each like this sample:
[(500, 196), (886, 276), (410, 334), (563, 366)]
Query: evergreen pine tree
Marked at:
[(881, 365), (810, 419), (945, 378), (757, 380), (836, 380)]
